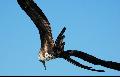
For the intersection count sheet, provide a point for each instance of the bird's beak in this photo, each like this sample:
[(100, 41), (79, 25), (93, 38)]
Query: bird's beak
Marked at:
[(43, 62)]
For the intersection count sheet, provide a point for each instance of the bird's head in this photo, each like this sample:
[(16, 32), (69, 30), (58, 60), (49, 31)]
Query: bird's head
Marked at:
[(44, 56)]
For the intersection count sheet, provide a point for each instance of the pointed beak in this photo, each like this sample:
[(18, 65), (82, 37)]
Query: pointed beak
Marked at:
[(43, 62)]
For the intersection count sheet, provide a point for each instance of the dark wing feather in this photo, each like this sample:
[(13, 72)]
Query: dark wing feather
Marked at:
[(40, 20), (59, 43), (66, 56), (94, 60), (80, 65)]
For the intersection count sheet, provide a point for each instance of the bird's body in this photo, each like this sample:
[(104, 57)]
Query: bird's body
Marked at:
[(51, 49)]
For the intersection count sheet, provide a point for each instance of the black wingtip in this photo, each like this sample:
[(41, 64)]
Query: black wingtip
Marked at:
[(64, 29), (62, 32), (81, 65), (29, 5)]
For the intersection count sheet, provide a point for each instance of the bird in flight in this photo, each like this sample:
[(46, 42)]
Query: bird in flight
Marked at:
[(51, 49)]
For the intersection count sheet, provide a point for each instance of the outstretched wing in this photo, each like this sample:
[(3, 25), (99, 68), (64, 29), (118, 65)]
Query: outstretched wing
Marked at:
[(81, 65), (40, 20), (59, 45), (66, 55), (93, 60)]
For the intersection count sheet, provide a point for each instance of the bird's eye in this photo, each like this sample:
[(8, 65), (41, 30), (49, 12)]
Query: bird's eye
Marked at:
[(46, 54)]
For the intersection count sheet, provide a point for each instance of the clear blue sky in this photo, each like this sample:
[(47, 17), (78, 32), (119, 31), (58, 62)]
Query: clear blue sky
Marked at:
[(93, 26)]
